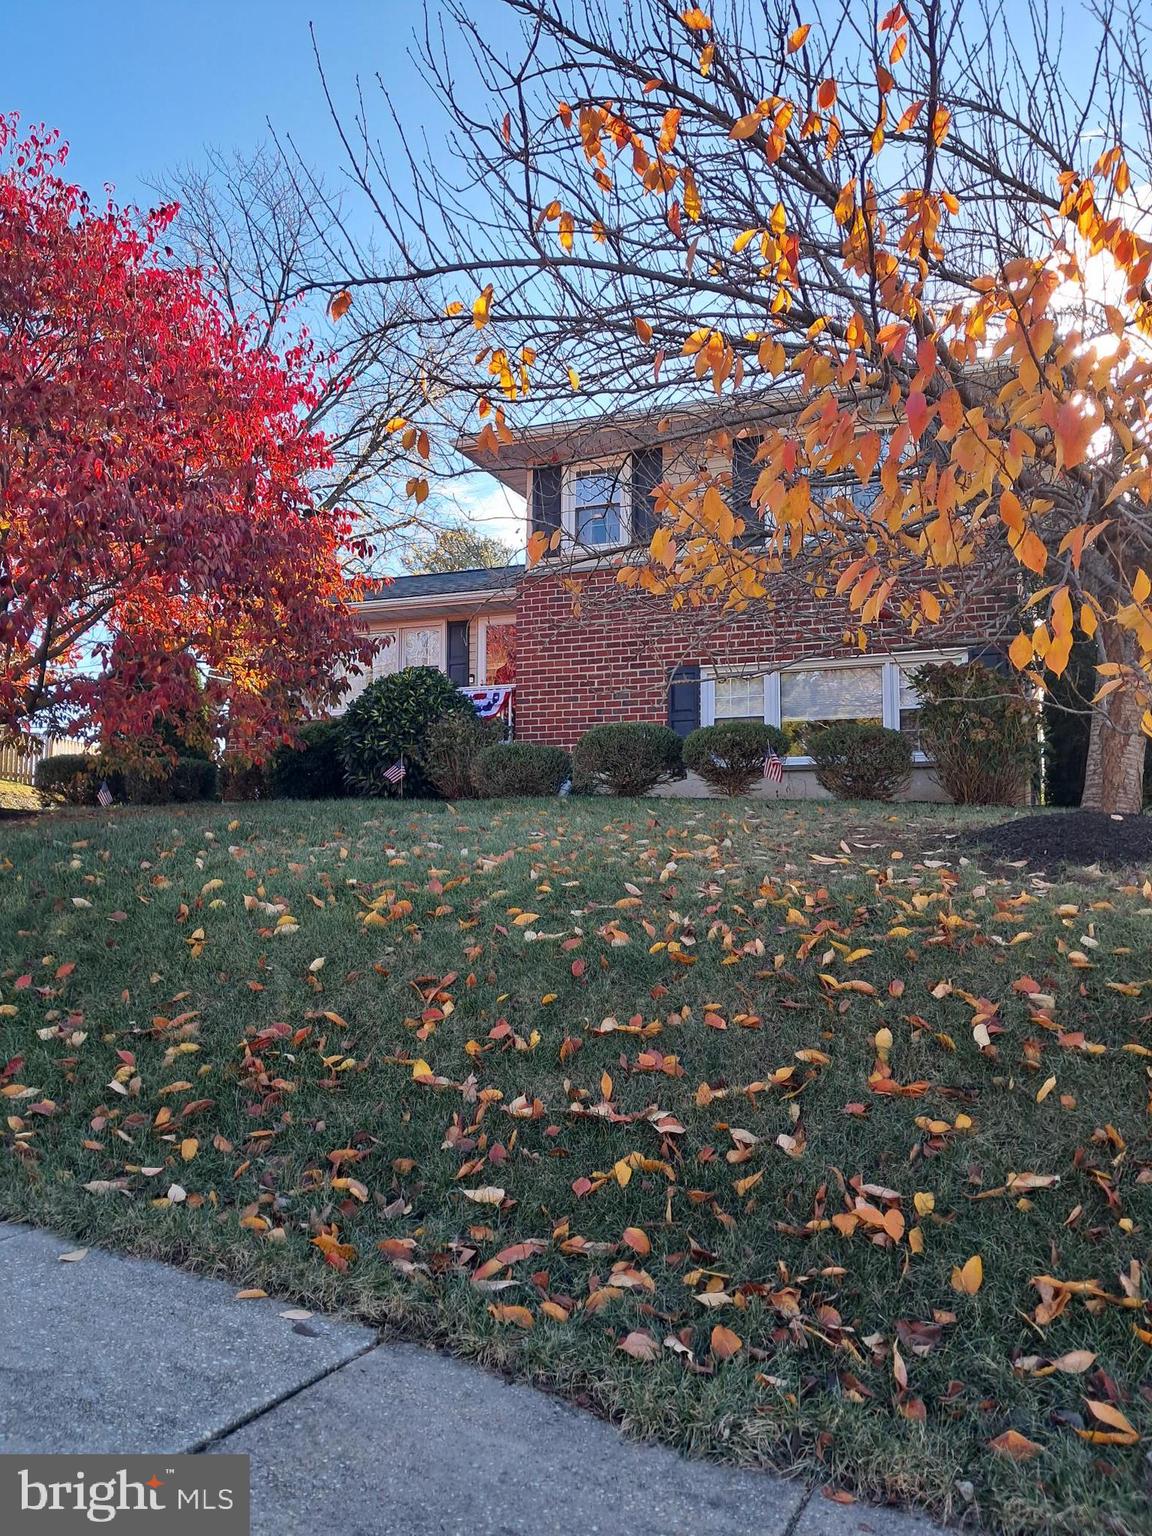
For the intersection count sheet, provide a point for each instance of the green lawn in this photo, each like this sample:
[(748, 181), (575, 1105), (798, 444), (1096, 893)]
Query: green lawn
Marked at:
[(699, 1113)]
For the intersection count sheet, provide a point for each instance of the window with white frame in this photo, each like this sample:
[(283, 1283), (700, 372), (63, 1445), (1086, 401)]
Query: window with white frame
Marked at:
[(805, 696), (738, 698), (816, 696), (597, 504)]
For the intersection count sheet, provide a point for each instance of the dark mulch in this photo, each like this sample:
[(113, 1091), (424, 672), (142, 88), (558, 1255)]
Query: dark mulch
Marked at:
[(1074, 837)]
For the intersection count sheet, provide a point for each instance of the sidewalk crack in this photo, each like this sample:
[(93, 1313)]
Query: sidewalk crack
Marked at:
[(201, 1446)]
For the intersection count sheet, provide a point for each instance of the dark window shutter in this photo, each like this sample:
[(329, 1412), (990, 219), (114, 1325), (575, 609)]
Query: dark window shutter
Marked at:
[(744, 477), (458, 652), (647, 473), (547, 486), (684, 700)]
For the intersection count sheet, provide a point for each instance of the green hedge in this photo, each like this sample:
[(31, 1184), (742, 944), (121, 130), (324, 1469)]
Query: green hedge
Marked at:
[(521, 768), (860, 762), (981, 730), (730, 757), (164, 782), (312, 770), (453, 745), (627, 758), (73, 777), (390, 720)]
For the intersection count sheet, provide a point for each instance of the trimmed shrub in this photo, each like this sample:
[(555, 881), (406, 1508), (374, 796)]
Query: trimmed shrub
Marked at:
[(521, 768), (451, 753), (313, 770), (980, 728), (390, 720), (730, 757), (244, 781), (627, 758), (163, 781), (860, 762), (73, 777)]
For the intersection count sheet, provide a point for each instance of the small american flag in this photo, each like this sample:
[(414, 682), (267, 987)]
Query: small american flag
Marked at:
[(104, 795), (774, 767), (397, 772)]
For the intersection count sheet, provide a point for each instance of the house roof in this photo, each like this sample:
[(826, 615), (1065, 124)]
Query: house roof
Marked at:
[(407, 589)]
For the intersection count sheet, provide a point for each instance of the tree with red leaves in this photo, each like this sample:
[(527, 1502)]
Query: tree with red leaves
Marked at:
[(161, 553)]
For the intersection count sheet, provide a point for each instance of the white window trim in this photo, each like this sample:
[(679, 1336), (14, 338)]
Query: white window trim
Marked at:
[(482, 642), (891, 663), (621, 470)]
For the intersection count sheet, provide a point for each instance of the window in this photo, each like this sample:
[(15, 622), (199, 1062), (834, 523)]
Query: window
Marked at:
[(738, 698), (422, 645), (499, 652), (909, 706), (815, 696), (598, 504), (877, 692)]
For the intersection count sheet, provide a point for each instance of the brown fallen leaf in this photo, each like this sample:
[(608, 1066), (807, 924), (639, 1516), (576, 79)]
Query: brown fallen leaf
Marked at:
[(640, 1345), (1017, 1446), (725, 1343), (519, 1317), (73, 1257), (254, 1294)]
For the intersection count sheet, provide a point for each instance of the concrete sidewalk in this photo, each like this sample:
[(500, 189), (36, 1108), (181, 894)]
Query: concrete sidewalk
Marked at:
[(123, 1355)]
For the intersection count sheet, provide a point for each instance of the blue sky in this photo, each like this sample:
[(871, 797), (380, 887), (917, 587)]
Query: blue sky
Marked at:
[(137, 86), (140, 86)]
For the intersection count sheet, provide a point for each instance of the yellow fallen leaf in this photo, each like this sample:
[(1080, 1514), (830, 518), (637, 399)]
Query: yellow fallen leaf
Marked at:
[(968, 1278)]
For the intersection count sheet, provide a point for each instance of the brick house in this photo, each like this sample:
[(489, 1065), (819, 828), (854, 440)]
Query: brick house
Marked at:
[(577, 650)]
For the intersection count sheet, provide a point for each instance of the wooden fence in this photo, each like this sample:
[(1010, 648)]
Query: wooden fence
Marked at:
[(18, 759)]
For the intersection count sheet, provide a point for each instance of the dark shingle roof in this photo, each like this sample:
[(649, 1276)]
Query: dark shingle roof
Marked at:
[(444, 583)]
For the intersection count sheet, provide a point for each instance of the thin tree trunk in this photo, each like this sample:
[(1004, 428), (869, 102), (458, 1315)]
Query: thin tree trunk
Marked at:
[(1114, 773)]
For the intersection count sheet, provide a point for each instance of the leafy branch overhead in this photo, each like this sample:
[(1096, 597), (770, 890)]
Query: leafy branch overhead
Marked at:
[(905, 252)]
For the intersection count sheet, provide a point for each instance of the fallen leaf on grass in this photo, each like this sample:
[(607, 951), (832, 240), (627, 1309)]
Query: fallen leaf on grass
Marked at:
[(968, 1278), (725, 1343), (519, 1317), (1017, 1446)]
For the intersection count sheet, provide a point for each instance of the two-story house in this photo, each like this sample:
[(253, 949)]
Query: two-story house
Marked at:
[(564, 646)]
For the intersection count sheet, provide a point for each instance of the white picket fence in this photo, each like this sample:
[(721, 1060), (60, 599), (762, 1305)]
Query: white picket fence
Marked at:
[(18, 759)]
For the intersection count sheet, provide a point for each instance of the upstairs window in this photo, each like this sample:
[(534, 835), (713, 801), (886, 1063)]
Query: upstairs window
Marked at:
[(597, 510)]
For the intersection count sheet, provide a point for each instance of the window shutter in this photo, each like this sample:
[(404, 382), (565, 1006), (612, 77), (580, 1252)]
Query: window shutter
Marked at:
[(647, 473), (684, 700), (458, 652), (744, 477), (547, 485)]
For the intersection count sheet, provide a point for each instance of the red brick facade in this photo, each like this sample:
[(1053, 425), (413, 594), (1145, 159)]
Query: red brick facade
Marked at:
[(589, 652)]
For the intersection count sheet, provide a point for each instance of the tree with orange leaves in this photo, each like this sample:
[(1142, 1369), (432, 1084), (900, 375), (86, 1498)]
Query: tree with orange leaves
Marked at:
[(885, 236)]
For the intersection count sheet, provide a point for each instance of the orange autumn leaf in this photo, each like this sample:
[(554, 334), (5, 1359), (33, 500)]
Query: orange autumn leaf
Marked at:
[(725, 1343)]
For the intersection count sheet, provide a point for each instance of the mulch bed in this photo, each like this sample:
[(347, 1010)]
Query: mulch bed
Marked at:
[(1075, 837)]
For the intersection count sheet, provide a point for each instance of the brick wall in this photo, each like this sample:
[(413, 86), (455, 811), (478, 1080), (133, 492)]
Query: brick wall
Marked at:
[(590, 652)]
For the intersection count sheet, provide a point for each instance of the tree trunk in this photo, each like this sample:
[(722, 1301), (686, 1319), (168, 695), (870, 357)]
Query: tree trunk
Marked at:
[(1114, 774)]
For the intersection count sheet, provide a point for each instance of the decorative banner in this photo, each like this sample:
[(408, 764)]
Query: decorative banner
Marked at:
[(490, 702)]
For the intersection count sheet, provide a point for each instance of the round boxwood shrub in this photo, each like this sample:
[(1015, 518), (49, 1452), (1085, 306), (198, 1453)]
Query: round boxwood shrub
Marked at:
[(390, 720), (980, 728), (451, 752), (860, 762), (312, 770), (730, 757), (163, 780), (521, 768), (628, 758), (73, 777)]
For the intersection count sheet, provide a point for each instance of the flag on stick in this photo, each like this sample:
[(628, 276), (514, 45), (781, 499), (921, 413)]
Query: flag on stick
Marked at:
[(104, 795), (774, 767), (397, 773)]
